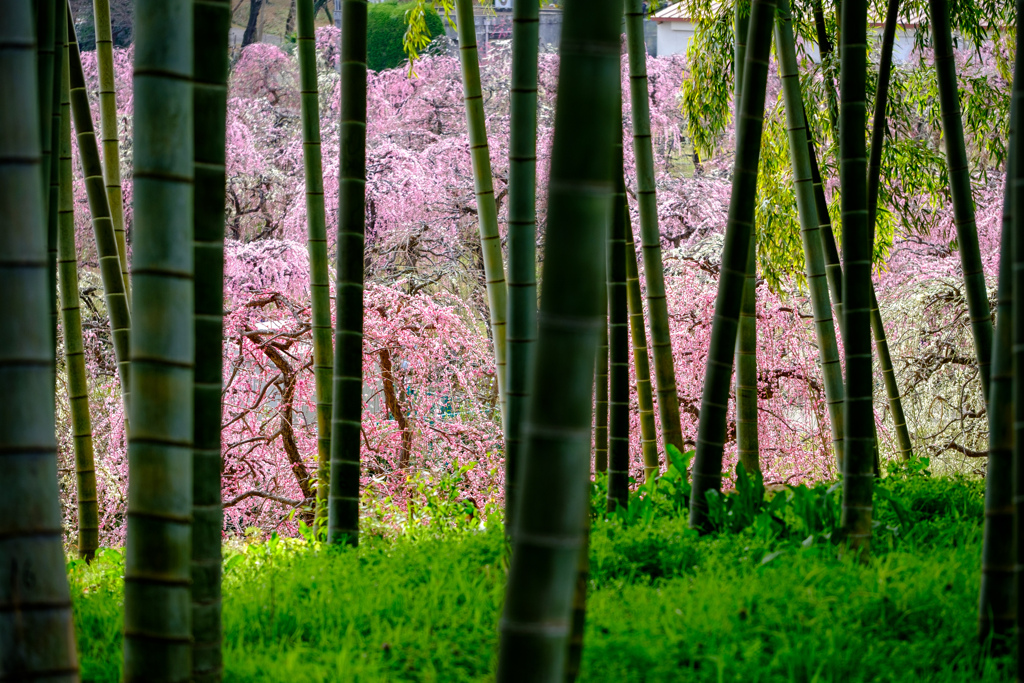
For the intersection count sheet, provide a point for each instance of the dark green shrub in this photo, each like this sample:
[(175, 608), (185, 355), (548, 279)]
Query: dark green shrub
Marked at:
[(384, 32)]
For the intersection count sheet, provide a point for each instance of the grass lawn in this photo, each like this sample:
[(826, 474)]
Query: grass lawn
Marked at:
[(664, 605)]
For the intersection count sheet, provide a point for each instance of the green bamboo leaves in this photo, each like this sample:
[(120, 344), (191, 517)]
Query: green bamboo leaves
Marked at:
[(108, 132), (487, 210), (158, 569), (212, 21), (960, 186), (522, 238), (343, 503), (550, 515), (858, 459), (36, 637), (654, 276), (319, 271), (74, 348), (102, 226), (707, 467)]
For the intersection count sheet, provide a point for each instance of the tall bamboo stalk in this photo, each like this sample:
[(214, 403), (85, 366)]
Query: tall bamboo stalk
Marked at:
[(212, 21), (347, 401), (522, 238), (707, 467), (824, 328), (574, 656), (746, 339), (316, 236), (550, 517), (650, 236), (960, 187), (641, 361), (858, 460), (833, 268), (996, 607), (102, 227), (59, 66), (618, 343), (108, 132), (601, 398), (158, 553), (36, 634), (487, 210), (74, 348), (45, 26)]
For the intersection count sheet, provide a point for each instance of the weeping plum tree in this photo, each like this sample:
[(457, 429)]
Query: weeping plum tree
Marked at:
[(36, 633), (552, 507), (347, 401), (707, 467), (158, 568)]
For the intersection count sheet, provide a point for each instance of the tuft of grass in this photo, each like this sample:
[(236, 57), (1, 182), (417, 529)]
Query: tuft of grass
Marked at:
[(664, 604)]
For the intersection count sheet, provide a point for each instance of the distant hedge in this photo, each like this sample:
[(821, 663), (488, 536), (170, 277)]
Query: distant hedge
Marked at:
[(385, 29)]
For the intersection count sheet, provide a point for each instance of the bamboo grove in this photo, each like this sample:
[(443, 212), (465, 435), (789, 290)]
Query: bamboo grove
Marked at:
[(562, 360)]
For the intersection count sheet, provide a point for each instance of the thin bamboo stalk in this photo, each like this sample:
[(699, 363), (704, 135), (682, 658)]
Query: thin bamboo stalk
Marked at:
[(550, 518), (858, 458), (650, 236), (158, 553), (36, 633), (316, 236), (487, 210), (707, 467), (618, 343), (601, 398), (59, 66), (522, 239), (641, 361), (46, 14), (212, 21), (102, 227), (108, 133), (960, 186), (347, 400), (824, 328)]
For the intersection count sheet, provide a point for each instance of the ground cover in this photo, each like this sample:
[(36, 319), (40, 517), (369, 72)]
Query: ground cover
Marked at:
[(755, 605)]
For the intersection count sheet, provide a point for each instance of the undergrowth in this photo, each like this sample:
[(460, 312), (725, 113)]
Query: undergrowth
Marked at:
[(769, 597)]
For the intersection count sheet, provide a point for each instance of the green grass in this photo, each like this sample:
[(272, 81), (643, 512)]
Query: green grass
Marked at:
[(664, 605)]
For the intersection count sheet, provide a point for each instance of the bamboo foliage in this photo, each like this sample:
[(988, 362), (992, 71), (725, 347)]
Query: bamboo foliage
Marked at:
[(158, 567), (522, 236), (74, 348), (551, 512), (650, 236), (960, 187), (707, 467), (641, 361), (36, 633), (319, 273), (796, 124), (102, 227), (858, 458), (347, 403), (212, 21), (487, 210)]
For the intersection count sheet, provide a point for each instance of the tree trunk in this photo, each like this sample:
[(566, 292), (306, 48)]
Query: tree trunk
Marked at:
[(387, 376), (251, 35)]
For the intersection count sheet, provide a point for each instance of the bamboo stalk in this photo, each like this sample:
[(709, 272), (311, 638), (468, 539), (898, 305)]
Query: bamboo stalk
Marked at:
[(618, 343), (641, 361), (58, 26), (36, 633), (601, 398)]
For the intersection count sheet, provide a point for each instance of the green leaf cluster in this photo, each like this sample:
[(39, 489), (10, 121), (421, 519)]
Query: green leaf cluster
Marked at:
[(386, 31)]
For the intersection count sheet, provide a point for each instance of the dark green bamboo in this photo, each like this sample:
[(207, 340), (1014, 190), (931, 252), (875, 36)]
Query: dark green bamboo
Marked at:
[(551, 511), (641, 361), (74, 348), (960, 188), (59, 66), (618, 345), (316, 236), (36, 634), (707, 466), (833, 268), (601, 398), (103, 229), (522, 237), (746, 339), (212, 21), (158, 553), (347, 400), (825, 51), (996, 606), (574, 656), (108, 132), (858, 456), (814, 260), (487, 209), (45, 26), (650, 236)]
